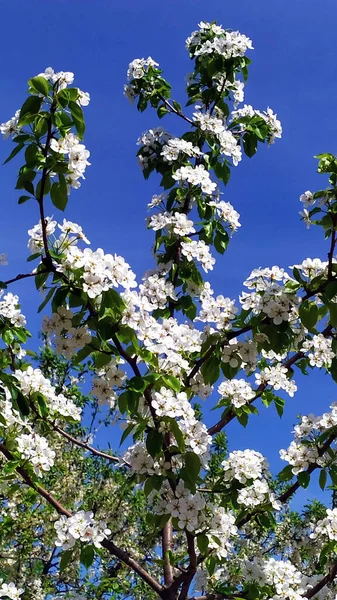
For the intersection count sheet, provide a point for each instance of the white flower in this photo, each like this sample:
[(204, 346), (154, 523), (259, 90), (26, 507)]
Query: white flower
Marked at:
[(10, 127), (196, 176), (238, 391), (139, 66), (81, 526)]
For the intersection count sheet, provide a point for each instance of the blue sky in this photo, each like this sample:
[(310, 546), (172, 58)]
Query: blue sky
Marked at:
[(294, 71)]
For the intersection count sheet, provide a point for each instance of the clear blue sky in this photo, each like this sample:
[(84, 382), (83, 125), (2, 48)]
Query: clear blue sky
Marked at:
[(294, 71)]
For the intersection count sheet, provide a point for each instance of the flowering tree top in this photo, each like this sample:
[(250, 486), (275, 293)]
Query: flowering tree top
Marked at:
[(175, 516)]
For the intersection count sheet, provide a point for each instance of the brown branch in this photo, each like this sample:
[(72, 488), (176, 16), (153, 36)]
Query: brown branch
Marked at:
[(295, 486), (86, 446), (332, 248), (43, 185), (166, 537), (324, 581), (108, 544), (229, 336), (287, 363), (175, 111), (24, 276)]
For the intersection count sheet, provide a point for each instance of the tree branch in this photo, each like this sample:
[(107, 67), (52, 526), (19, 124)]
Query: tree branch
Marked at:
[(107, 544), (86, 446), (166, 537), (287, 363), (175, 111)]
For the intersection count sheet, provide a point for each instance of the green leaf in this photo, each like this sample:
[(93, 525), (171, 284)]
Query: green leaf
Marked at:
[(322, 479), (220, 243), (303, 479), (23, 404), (154, 442), (333, 314), (162, 111), (29, 109), (152, 483), (333, 475), (78, 118), (188, 307), (250, 144), (137, 384), (123, 402), (14, 152), (172, 382), (279, 404), (59, 195), (102, 359), (24, 199), (331, 289), (46, 300), (211, 369), (126, 432), (40, 279), (178, 434), (39, 84), (333, 369), (8, 336), (308, 312), (242, 418), (193, 464), (286, 474), (59, 298), (202, 541), (65, 559), (83, 353), (87, 555)]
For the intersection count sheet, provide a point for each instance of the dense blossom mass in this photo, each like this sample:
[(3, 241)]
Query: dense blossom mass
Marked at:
[(166, 361)]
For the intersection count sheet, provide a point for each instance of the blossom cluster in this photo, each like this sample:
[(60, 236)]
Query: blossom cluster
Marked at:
[(175, 147), (107, 378), (35, 448), (199, 251), (321, 354), (212, 38), (32, 380), (71, 233), (238, 392), (99, 272), (9, 309), (303, 451), (151, 142), (81, 526), (192, 513), (77, 157), (218, 310), (11, 127), (281, 574), (61, 80), (176, 406), (244, 465), (269, 117), (177, 222), (277, 377), (10, 590), (139, 66), (249, 467), (195, 176), (228, 144), (68, 338), (269, 297), (327, 526)]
